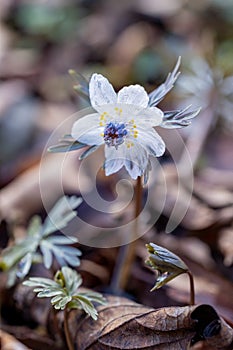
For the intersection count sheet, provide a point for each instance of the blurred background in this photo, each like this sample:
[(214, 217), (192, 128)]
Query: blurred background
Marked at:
[(130, 41)]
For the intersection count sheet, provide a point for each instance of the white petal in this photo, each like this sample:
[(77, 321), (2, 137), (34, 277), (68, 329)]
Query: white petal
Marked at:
[(114, 159), (119, 112), (146, 172), (151, 141), (136, 160), (133, 94), (151, 116), (101, 91), (87, 130)]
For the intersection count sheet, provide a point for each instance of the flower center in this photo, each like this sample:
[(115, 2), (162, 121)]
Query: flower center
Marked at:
[(114, 134)]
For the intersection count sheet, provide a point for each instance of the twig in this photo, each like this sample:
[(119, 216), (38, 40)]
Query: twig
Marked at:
[(67, 330), (126, 254), (192, 291)]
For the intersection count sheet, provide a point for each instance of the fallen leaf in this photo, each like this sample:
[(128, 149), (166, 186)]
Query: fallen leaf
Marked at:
[(8, 342), (124, 324), (225, 243), (213, 195)]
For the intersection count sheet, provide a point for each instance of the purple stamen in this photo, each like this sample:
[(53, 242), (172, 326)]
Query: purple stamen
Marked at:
[(114, 134)]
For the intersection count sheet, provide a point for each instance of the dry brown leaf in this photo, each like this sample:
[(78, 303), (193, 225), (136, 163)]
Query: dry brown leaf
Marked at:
[(23, 196), (225, 243), (8, 342), (219, 177), (124, 324), (32, 339), (212, 195), (194, 215)]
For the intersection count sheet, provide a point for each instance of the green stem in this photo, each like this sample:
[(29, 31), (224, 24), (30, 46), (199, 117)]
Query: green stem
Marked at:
[(192, 291), (67, 330), (127, 252)]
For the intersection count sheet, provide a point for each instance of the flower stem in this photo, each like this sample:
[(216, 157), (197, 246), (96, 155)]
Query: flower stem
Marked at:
[(67, 330), (127, 252), (192, 291)]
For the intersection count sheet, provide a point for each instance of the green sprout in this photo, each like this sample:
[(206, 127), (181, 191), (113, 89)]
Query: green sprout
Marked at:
[(63, 290), (65, 295), (40, 245), (168, 266)]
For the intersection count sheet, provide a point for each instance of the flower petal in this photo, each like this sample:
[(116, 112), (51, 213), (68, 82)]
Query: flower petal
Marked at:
[(114, 159), (119, 112), (151, 116), (136, 160), (87, 130), (101, 91), (151, 141), (133, 94)]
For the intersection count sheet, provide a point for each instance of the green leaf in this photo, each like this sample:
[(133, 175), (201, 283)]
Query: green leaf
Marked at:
[(47, 254), (167, 264), (66, 147), (40, 282), (81, 84), (89, 151), (159, 93), (12, 255), (57, 240), (87, 306), (34, 226), (20, 256), (63, 254), (11, 277), (55, 299), (63, 302), (63, 291), (73, 280), (47, 293), (24, 265), (61, 214), (94, 296), (179, 118)]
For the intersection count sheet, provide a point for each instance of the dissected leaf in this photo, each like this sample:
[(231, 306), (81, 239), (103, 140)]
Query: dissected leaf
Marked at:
[(64, 291), (63, 254), (61, 214), (34, 225), (46, 253), (13, 255), (24, 265), (66, 146), (86, 305), (179, 118), (89, 151), (81, 84), (19, 257), (158, 94)]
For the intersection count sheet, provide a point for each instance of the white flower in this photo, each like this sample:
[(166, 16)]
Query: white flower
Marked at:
[(208, 87), (124, 123)]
